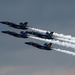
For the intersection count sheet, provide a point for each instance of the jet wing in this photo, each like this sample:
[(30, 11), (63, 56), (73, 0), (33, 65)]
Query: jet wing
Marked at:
[(38, 45), (35, 33), (15, 34)]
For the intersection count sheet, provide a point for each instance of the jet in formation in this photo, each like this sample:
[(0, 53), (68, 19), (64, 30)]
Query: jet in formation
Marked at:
[(21, 35), (21, 25), (44, 47), (40, 35), (25, 34)]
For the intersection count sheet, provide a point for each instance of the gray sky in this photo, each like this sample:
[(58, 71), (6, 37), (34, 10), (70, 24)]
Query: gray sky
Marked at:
[(16, 58)]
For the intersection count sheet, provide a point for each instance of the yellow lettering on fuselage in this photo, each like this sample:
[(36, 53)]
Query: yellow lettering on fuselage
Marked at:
[(19, 36), (44, 37), (18, 26)]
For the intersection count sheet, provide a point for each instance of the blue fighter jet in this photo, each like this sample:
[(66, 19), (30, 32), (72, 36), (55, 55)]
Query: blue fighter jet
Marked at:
[(21, 35), (37, 34), (45, 47), (22, 26)]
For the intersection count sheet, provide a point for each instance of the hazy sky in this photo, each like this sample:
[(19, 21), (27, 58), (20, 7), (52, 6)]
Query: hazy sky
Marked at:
[(16, 58)]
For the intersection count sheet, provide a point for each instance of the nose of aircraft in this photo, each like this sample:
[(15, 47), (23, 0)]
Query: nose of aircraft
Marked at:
[(27, 43), (3, 22), (4, 31)]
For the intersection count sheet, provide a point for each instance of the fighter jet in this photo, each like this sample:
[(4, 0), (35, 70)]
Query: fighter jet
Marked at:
[(40, 35), (45, 47), (22, 26), (21, 35)]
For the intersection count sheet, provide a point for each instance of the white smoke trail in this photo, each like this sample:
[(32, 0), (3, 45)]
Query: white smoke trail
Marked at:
[(55, 42), (64, 51), (38, 30), (64, 36), (67, 40), (55, 34)]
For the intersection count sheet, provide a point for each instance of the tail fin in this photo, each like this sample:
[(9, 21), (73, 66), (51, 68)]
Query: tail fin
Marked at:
[(25, 23), (51, 33), (49, 45)]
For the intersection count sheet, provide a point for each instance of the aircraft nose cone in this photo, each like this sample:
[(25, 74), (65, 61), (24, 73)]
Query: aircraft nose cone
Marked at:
[(3, 31), (27, 43), (3, 22)]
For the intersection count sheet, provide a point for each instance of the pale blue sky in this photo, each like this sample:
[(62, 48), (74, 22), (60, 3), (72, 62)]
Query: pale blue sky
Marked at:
[(16, 58)]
